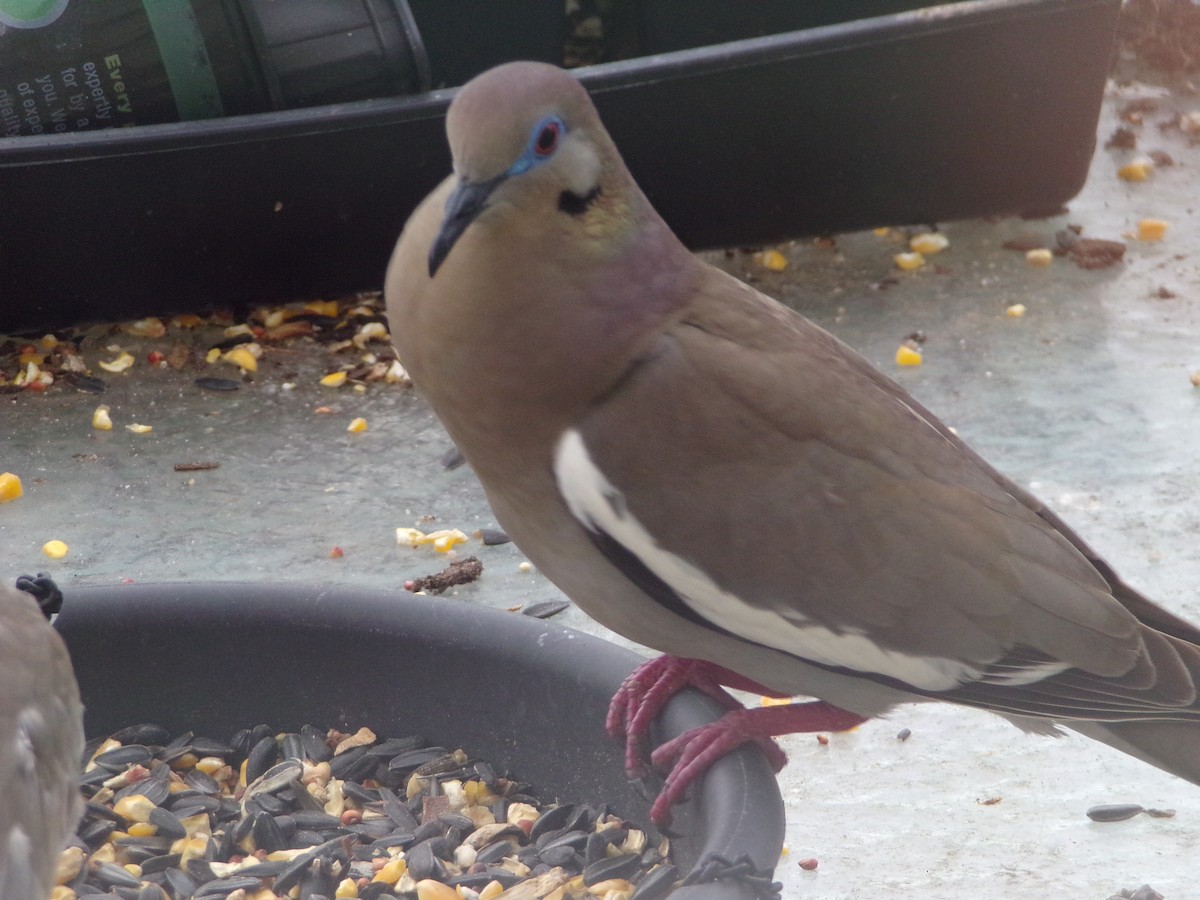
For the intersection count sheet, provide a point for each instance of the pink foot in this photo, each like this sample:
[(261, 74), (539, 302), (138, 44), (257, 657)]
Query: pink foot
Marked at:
[(642, 696), (691, 754)]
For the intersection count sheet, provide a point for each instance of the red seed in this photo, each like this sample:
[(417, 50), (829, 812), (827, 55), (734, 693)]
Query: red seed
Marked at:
[(337, 553), (155, 358), (823, 740), (808, 864)]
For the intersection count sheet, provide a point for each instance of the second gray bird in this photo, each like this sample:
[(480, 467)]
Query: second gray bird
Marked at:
[(714, 476), (41, 741)]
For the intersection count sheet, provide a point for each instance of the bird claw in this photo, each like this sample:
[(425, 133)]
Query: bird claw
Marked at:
[(691, 754), (644, 693)]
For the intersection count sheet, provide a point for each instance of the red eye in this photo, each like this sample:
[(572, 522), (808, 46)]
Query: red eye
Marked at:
[(547, 139)]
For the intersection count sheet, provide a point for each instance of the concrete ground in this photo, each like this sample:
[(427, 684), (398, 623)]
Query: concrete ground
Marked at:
[(1086, 399)]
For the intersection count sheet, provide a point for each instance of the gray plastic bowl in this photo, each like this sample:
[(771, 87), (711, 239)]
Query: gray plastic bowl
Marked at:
[(524, 694)]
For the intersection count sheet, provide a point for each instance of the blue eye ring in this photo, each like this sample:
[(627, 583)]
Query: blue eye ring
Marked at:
[(544, 142)]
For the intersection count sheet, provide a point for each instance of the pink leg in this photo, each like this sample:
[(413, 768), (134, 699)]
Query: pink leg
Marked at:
[(651, 685), (690, 755)]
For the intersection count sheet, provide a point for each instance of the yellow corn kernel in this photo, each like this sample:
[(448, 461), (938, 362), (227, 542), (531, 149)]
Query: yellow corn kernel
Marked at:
[(187, 320), (70, 862), (29, 354), (120, 363), (478, 794), (142, 829), (134, 807), (149, 328), (491, 890), (1151, 230), (242, 358), (10, 487), (62, 892), (328, 308), (1039, 258), (357, 425), (346, 890), (334, 379), (928, 243), (908, 261), (882, 231), (139, 429), (397, 374), (101, 420), (613, 885), (212, 355), (907, 356), (444, 541), (209, 764), (1016, 310), (771, 260), (392, 871), (1138, 170), (184, 761), (49, 341), (55, 549), (428, 889)]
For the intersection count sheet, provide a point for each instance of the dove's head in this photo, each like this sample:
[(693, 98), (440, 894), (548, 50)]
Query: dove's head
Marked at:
[(526, 136)]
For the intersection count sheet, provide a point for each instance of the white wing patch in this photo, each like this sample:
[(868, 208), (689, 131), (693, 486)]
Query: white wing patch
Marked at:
[(598, 505)]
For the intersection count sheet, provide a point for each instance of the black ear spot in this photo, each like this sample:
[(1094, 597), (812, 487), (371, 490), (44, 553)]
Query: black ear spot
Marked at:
[(575, 205)]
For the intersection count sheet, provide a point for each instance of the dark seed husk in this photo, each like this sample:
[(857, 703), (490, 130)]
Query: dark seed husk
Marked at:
[(452, 459), (146, 733), (551, 820), (261, 757), (267, 833), (167, 823), (1114, 812), (395, 746), (545, 609), (88, 384), (613, 867), (656, 884), (412, 759), (208, 383), (315, 746), (492, 537), (156, 864), (114, 876), (205, 746), (224, 886), (182, 884), (122, 757), (559, 856), (201, 782)]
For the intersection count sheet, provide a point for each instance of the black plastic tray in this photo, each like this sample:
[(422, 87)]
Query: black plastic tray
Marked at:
[(955, 110), (524, 694)]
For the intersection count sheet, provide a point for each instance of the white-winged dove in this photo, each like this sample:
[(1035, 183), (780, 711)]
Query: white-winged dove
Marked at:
[(709, 473), (41, 741)]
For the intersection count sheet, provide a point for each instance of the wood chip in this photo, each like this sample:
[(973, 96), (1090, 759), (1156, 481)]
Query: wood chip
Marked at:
[(196, 466), (462, 571)]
